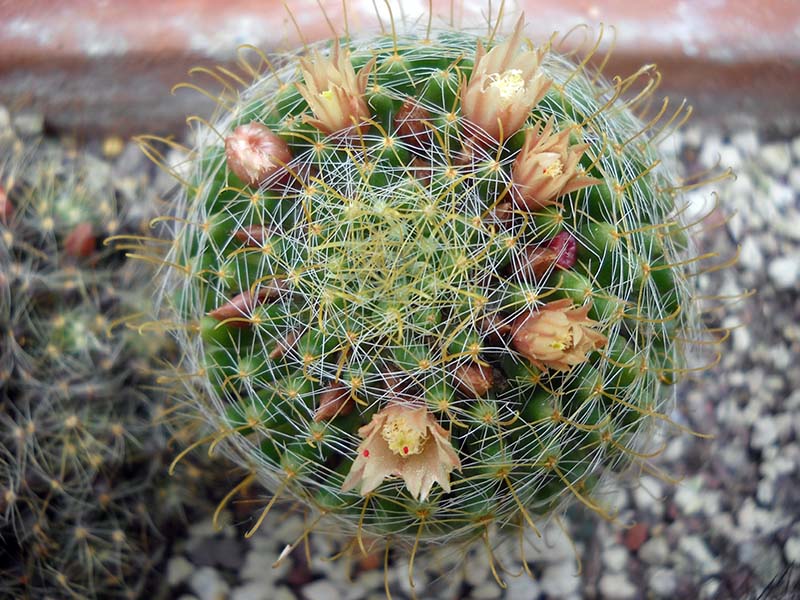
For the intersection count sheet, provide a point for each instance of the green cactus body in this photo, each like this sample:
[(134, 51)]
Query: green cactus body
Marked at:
[(391, 266)]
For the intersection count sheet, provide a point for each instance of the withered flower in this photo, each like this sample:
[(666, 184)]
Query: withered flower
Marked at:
[(255, 153), (504, 86), (403, 441), (547, 167), (557, 336), (560, 252), (474, 379), (334, 401), (80, 242), (334, 92)]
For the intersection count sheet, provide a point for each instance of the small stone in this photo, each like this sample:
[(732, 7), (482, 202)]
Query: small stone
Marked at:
[(688, 496), (635, 536), (696, 550), (662, 582), (710, 152), (742, 339), (208, 584), (488, 591), (776, 158), (765, 492), (791, 549), (560, 579), (28, 124), (615, 558), (258, 566), (320, 590), (750, 256), (616, 586), (784, 271), (253, 591), (178, 570), (794, 178), (781, 196), (746, 140), (649, 495), (764, 433), (655, 551), (709, 588), (522, 588)]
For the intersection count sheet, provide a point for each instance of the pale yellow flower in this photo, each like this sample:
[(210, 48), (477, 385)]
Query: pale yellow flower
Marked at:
[(557, 336), (504, 86), (334, 92), (403, 441), (547, 167)]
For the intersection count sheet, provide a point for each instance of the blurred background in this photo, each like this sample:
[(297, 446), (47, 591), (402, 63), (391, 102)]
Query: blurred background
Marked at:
[(98, 71), (108, 65)]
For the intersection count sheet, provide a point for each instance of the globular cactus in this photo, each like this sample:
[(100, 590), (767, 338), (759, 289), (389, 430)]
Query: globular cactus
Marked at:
[(83, 485), (430, 285)]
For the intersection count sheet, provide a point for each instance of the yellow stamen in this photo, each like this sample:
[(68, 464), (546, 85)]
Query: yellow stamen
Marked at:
[(554, 169), (402, 439), (509, 84)]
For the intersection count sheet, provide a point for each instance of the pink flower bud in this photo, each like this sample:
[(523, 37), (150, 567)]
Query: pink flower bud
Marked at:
[(255, 153)]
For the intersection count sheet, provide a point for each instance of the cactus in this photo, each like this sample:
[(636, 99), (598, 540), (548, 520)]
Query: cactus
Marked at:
[(83, 486), (430, 285)]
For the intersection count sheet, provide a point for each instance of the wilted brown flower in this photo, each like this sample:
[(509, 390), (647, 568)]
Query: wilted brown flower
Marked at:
[(254, 153), (334, 401), (334, 92), (504, 86), (474, 379), (557, 336), (547, 167), (80, 242), (403, 441), (560, 252)]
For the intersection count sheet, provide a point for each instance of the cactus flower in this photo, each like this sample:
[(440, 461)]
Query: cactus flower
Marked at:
[(335, 94), (504, 86), (403, 441), (557, 336), (254, 153), (547, 167)]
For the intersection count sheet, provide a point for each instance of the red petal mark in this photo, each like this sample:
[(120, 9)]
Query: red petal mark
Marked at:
[(405, 449), (366, 453), (80, 242)]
